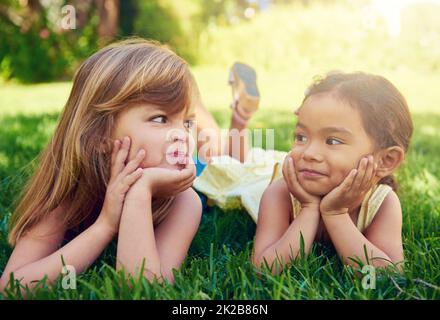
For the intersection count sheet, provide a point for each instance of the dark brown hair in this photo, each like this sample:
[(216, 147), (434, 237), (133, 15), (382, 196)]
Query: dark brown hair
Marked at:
[(383, 109)]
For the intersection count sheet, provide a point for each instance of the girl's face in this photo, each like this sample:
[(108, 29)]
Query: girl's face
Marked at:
[(329, 139), (165, 137)]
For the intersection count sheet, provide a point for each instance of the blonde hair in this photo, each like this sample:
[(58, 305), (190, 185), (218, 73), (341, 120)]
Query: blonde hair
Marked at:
[(74, 168)]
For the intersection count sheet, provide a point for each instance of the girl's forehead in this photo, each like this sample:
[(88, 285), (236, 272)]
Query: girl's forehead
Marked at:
[(152, 108), (327, 110)]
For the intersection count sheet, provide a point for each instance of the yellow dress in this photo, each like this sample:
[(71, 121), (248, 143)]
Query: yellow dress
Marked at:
[(233, 185), (230, 184)]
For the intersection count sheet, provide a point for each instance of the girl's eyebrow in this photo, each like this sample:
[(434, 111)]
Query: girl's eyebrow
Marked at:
[(152, 108), (328, 129)]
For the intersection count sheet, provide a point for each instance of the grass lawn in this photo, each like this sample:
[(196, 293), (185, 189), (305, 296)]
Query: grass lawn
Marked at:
[(308, 40)]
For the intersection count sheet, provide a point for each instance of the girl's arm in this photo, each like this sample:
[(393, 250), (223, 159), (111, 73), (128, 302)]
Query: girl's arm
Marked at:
[(166, 247), (276, 241), (163, 248), (37, 254), (382, 239)]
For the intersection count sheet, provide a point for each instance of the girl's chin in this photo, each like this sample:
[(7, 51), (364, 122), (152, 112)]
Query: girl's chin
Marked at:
[(165, 164), (171, 166), (314, 189)]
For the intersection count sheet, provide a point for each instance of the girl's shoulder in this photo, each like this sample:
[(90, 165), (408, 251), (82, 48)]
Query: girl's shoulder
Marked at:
[(278, 191), (189, 196), (188, 199), (186, 206), (277, 195), (278, 188), (391, 201), (382, 205)]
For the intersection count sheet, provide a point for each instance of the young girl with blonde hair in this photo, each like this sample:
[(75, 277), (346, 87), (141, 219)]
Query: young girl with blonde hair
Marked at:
[(117, 166)]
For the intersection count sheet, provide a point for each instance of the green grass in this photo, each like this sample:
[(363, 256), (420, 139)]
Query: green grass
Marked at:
[(218, 263), (218, 266)]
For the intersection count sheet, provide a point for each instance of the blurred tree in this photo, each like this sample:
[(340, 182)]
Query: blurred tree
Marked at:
[(35, 47), (29, 50), (108, 12), (127, 14), (161, 20), (83, 11)]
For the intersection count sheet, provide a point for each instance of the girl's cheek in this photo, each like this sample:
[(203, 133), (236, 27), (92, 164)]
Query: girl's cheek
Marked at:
[(296, 153), (151, 160)]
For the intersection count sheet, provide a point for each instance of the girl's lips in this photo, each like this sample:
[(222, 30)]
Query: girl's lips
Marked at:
[(311, 174), (177, 158), (178, 154)]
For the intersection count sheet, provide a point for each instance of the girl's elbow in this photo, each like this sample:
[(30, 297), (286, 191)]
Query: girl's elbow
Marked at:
[(258, 261), (4, 280), (256, 258), (168, 276), (396, 266), (262, 263), (376, 264), (18, 285)]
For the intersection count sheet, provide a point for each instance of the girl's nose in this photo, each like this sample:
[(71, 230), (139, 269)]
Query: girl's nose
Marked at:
[(178, 135), (312, 153)]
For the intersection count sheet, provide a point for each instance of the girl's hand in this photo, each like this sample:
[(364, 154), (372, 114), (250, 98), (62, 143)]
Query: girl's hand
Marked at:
[(121, 179), (161, 182), (350, 193), (306, 199)]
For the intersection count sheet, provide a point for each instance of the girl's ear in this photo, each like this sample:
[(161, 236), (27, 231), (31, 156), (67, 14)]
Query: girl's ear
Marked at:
[(389, 160)]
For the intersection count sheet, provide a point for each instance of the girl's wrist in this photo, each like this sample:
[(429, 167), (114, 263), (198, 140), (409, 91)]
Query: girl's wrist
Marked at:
[(334, 212), (140, 187), (104, 228), (139, 193), (311, 205)]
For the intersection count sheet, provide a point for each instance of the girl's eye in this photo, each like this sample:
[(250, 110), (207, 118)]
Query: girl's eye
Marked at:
[(189, 124), (159, 119), (300, 138), (332, 141)]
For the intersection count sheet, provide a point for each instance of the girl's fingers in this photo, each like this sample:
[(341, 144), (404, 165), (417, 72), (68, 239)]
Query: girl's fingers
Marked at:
[(187, 180), (187, 172), (284, 169), (190, 176), (122, 156), (368, 174), (291, 171), (116, 146), (360, 175), (134, 164), (193, 168), (185, 186), (285, 164), (286, 175), (347, 184), (286, 172), (130, 179), (182, 177)]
